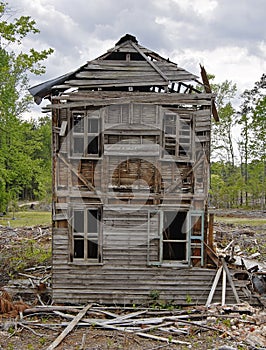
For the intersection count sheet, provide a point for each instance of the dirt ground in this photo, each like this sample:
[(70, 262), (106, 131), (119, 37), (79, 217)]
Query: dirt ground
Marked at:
[(109, 340), (227, 331)]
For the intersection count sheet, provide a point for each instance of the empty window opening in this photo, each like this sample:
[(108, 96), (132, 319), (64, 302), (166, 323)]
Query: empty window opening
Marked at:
[(174, 236), (93, 145)]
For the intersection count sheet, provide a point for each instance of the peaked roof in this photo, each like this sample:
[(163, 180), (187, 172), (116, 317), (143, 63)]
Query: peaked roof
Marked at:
[(126, 65)]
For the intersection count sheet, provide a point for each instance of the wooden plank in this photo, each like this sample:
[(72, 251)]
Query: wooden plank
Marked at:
[(151, 63), (155, 337), (83, 95), (69, 328), (223, 287), (123, 149), (117, 82), (214, 285), (230, 281), (160, 99), (210, 233)]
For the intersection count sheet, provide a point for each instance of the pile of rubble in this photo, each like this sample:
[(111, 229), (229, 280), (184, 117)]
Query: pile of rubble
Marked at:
[(239, 325), (244, 250)]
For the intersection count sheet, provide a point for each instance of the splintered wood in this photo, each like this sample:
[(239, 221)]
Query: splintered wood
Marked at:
[(241, 323)]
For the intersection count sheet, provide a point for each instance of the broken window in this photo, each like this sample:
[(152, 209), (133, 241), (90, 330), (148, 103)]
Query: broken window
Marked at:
[(86, 226), (177, 136), (174, 236), (196, 238), (85, 135)]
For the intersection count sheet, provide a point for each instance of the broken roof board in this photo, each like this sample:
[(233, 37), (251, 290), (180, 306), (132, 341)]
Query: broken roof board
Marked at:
[(148, 69)]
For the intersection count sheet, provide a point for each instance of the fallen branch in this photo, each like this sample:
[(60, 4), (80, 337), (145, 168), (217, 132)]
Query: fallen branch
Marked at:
[(30, 329)]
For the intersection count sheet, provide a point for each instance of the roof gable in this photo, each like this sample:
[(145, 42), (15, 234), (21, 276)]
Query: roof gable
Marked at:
[(126, 66)]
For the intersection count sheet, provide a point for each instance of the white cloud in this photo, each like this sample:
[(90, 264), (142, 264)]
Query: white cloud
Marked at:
[(227, 36), (202, 7)]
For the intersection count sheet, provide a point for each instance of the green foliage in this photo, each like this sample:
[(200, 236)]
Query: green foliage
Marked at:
[(29, 253), (188, 299), (25, 151), (154, 295), (222, 140), (239, 182), (253, 131)]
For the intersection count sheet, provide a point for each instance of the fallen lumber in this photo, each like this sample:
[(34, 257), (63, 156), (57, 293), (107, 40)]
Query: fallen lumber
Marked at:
[(155, 337), (49, 308), (214, 285), (230, 281), (69, 328)]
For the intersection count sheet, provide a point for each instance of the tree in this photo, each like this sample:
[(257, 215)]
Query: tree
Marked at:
[(222, 139), (252, 122), (16, 162)]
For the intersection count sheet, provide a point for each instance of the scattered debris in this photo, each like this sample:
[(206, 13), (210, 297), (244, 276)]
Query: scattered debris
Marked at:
[(226, 327), (239, 324)]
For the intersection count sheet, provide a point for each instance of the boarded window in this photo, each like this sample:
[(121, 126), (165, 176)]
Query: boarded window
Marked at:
[(86, 226), (131, 173), (131, 114)]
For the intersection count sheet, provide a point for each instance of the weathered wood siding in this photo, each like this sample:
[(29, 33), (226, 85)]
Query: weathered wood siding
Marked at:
[(131, 154), (122, 282), (131, 180)]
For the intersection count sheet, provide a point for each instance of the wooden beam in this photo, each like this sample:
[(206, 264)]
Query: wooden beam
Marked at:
[(224, 287), (207, 88), (210, 235), (158, 70), (80, 176), (69, 328), (214, 285), (230, 280)]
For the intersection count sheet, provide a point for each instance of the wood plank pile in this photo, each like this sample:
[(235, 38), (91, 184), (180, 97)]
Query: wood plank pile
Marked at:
[(240, 323)]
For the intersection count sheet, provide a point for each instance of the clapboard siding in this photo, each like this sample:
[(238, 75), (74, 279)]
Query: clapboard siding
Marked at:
[(124, 277), (134, 286), (142, 147)]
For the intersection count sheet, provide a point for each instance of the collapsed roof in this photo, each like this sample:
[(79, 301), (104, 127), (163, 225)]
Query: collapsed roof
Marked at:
[(126, 64)]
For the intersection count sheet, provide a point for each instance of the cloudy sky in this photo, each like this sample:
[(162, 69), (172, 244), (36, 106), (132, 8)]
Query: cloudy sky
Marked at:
[(227, 36)]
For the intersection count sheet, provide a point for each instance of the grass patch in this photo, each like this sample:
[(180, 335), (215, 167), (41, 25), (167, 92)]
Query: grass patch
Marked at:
[(240, 221), (26, 218)]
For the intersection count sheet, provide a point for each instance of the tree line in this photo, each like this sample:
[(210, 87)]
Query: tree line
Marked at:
[(25, 146), (238, 169)]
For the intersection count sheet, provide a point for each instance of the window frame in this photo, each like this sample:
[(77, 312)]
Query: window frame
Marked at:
[(196, 238), (158, 237), (86, 236), (85, 133), (162, 240), (172, 142)]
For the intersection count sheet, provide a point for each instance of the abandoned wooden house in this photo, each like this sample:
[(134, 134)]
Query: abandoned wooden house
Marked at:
[(131, 153)]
